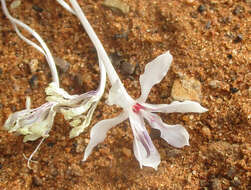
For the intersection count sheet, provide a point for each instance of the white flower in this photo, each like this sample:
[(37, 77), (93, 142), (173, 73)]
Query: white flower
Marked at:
[(35, 123), (137, 110), (32, 123), (74, 106)]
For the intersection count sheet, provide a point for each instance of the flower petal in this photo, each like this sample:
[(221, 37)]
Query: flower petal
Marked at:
[(99, 131), (77, 129), (33, 123), (176, 106), (41, 129), (71, 112), (175, 135), (73, 107), (154, 73), (144, 150), (56, 94)]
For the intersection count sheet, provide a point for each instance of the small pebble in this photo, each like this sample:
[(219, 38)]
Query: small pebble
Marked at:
[(214, 83), (237, 27), (33, 64), (37, 8), (186, 89), (219, 85), (190, 2), (216, 184), (238, 38), (79, 144), (121, 36), (116, 59), (233, 90), (194, 14), (15, 4), (236, 182), (173, 153), (117, 5), (33, 81), (50, 144), (127, 68), (37, 181), (226, 20), (127, 152), (62, 64), (76, 170), (208, 25), (229, 56), (206, 132), (238, 9), (201, 8), (54, 171)]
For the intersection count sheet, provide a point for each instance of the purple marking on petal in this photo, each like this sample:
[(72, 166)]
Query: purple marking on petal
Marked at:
[(36, 114), (147, 142), (29, 116), (90, 93), (143, 147), (83, 97)]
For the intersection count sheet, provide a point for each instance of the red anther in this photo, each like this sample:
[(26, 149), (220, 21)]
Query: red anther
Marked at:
[(136, 108)]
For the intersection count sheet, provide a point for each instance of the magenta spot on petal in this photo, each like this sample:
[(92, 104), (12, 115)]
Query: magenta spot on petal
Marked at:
[(137, 107)]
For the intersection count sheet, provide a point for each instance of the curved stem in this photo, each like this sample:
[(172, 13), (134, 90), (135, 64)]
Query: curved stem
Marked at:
[(32, 154), (101, 87), (45, 49), (102, 83), (112, 74), (66, 6), (96, 42)]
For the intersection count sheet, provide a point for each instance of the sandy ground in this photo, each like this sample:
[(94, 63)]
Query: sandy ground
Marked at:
[(210, 42)]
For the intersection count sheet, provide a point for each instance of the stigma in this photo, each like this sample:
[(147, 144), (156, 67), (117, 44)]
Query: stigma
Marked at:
[(137, 107)]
